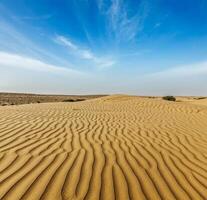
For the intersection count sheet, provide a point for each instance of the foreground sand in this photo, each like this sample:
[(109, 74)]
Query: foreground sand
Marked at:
[(115, 147)]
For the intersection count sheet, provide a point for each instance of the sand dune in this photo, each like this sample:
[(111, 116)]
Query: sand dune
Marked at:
[(200, 102), (115, 147)]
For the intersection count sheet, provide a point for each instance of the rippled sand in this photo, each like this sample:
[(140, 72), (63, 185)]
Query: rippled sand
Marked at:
[(116, 147)]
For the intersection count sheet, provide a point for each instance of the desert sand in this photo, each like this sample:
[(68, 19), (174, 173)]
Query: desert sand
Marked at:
[(115, 147)]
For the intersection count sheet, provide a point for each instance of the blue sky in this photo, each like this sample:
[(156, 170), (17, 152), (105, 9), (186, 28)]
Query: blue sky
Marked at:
[(142, 47)]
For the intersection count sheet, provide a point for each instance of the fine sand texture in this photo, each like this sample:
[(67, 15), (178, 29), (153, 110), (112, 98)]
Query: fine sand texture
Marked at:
[(110, 148)]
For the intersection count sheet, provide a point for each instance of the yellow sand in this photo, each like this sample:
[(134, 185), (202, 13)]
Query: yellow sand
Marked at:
[(116, 147), (199, 102)]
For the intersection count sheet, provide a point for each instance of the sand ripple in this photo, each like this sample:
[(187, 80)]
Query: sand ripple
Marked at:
[(115, 147)]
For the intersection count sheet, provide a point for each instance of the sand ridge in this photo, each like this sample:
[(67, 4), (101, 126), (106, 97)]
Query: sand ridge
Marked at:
[(116, 147)]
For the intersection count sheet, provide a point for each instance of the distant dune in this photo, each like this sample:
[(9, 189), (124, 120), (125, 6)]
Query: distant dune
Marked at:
[(110, 148), (199, 102)]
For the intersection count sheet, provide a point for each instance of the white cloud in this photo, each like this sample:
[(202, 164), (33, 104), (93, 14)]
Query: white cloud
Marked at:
[(106, 64), (65, 41), (8, 60), (83, 53), (195, 69), (125, 26), (13, 40), (86, 54)]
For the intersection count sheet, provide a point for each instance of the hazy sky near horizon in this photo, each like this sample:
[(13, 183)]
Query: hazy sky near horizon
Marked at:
[(141, 47)]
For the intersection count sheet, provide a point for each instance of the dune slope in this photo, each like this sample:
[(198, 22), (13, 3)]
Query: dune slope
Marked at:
[(116, 147)]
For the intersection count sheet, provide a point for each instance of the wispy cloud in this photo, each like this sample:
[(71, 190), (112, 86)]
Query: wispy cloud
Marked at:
[(8, 60), (100, 4), (195, 69), (65, 41), (124, 25), (83, 53), (13, 40), (40, 17)]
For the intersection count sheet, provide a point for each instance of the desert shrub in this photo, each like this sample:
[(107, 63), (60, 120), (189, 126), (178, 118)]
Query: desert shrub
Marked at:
[(4, 104), (169, 98), (68, 100), (80, 100), (73, 100), (199, 98)]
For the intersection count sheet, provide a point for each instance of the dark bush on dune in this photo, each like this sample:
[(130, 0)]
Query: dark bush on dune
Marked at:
[(80, 100), (4, 104), (199, 98), (68, 100), (169, 98), (73, 100)]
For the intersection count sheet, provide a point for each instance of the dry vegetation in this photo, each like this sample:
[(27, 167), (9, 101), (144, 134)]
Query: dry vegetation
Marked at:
[(116, 147), (18, 98)]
